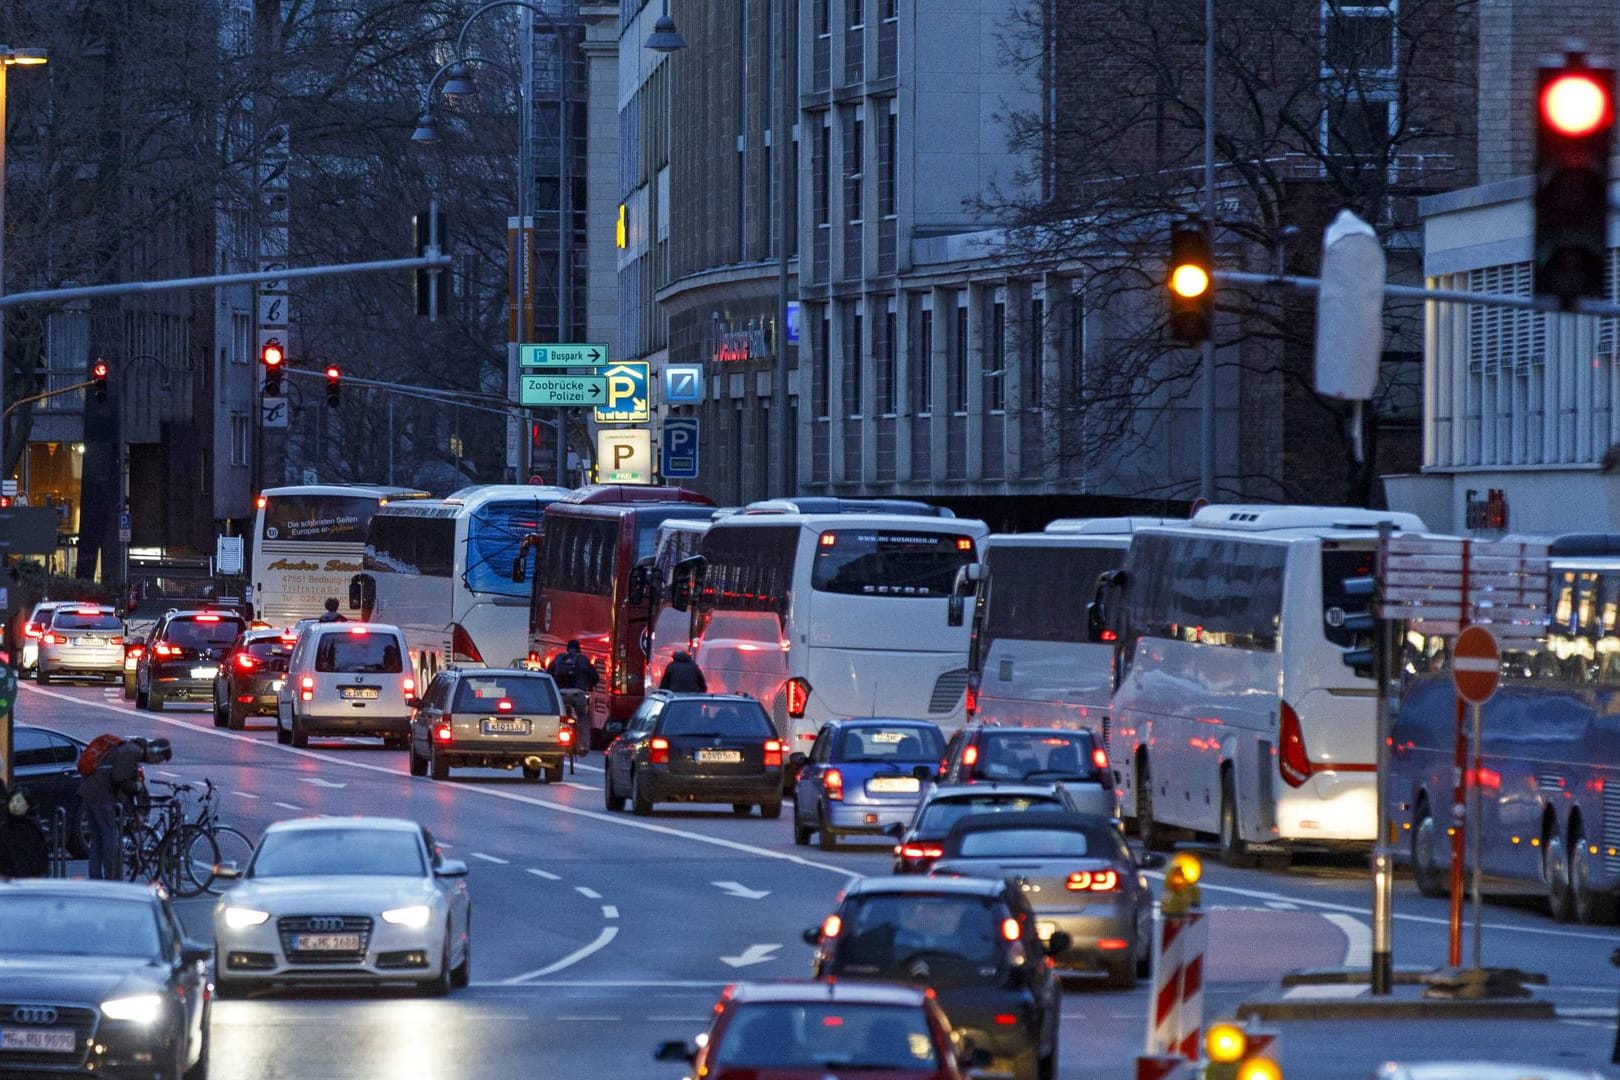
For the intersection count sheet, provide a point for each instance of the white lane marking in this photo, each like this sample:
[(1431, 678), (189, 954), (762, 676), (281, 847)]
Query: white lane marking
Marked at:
[(1282, 905), (609, 984), (577, 787), (604, 1016), (589, 894), (165, 772), (1351, 909), (244, 795), (609, 911), (602, 940), (318, 782), (1335, 992), (618, 820), (1357, 939), (488, 858), (676, 1019), (1586, 1012), (739, 890), (544, 874), (288, 806), (754, 954)]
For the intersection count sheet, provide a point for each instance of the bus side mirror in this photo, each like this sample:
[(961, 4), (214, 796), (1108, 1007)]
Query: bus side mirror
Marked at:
[(355, 592), (965, 585), (684, 582), (362, 594), (1096, 623), (639, 585), (519, 572)]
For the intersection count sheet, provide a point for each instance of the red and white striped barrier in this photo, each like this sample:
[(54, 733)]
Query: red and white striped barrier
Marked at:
[(1176, 1019)]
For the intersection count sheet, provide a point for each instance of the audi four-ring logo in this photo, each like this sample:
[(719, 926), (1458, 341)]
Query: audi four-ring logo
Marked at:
[(34, 1014), (326, 925)]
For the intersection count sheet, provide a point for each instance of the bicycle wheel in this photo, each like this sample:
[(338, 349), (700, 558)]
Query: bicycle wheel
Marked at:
[(188, 860), (231, 845)]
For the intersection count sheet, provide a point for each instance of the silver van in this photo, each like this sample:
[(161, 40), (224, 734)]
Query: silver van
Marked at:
[(347, 678)]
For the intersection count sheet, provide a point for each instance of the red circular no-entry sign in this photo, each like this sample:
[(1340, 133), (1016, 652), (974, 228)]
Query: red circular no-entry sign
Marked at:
[(1476, 664)]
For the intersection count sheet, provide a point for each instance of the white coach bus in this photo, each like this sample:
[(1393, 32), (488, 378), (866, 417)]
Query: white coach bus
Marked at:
[(1233, 712)]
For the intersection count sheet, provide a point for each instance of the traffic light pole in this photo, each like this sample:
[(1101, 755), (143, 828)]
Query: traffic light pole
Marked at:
[(1386, 670)]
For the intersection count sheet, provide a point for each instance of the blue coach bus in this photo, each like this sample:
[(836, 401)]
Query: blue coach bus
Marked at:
[(1550, 761)]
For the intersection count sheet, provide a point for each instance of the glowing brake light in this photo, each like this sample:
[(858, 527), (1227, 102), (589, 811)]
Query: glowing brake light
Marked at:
[(970, 756), (359, 630), (1011, 931), (442, 731), (1109, 635), (88, 611), (163, 648), (503, 705), (773, 753), (658, 751), (921, 851), (565, 736), (829, 539), (53, 638), (246, 661), (964, 544), (832, 782), (1006, 1019), (798, 694), (33, 629), (306, 688), (208, 618), (1092, 881), (832, 1021), (832, 926), (261, 502), (1099, 757)]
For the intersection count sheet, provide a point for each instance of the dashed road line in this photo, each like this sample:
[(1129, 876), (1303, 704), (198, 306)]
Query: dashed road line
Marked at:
[(544, 874), (589, 894), (601, 1016), (576, 786), (488, 858), (609, 911), (602, 941), (244, 794), (288, 806)]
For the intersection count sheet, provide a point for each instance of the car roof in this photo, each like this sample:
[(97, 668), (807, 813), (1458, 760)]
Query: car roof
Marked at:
[(881, 721), (1035, 819), (350, 626), (316, 824), (672, 695), (1040, 732), (501, 671), (850, 993), (82, 887), (989, 787), (221, 613), (50, 731), (908, 885)]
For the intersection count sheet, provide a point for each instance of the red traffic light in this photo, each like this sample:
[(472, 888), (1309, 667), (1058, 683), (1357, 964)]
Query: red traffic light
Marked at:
[(333, 373), (1576, 104), (271, 356), (98, 370)]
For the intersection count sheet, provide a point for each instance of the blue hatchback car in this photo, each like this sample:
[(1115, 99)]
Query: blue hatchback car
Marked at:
[(864, 776)]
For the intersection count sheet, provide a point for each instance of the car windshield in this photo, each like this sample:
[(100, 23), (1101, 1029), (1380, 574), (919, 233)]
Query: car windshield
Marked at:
[(940, 815), (338, 851), (203, 631), (355, 653), (1083, 842), (908, 743), (884, 935), (781, 1035), (524, 694), (77, 925), (1021, 755), (272, 648), (740, 718), (71, 619)]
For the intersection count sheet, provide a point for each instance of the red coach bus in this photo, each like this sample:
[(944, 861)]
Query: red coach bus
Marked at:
[(581, 581)]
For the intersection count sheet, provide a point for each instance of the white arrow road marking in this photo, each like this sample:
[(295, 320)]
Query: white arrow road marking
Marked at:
[(318, 782), (754, 954), (579, 787), (609, 911), (740, 890), (607, 935)]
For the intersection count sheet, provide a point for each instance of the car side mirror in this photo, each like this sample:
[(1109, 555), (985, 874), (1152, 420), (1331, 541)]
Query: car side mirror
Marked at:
[(451, 868), (675, 1050), (195, 952), (413, 703), (613, 727), (1059, 942), (925, 773), (798, 758), (227, 870), (812, 936), (1150, 860)]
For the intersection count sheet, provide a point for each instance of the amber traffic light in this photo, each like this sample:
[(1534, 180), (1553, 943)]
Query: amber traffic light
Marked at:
[(1191, 283)]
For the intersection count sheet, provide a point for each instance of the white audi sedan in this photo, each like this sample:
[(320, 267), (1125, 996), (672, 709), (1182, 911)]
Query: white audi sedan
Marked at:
[(344, 900)]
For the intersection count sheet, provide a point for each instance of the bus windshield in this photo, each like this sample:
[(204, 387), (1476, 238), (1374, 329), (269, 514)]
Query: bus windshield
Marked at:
[(494, 532), (865, 562), (332, 518)]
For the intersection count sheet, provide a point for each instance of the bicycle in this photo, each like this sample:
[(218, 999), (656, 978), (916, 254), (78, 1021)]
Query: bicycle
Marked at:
[(150, 839), (207, 843)]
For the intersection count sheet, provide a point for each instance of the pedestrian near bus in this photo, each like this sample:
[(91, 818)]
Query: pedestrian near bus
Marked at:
[(332, 614)]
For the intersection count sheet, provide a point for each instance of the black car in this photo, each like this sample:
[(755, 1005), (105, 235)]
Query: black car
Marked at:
[(100, 980), (943, 805), (973, 942), (718, 748), (183, 656), (249, 678), (47, 767)]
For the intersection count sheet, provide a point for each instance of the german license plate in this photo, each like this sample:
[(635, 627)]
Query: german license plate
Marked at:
[(49, 1040), (506, 727), (893, 784), (204, 672), (83, 641), (719, 757), (327, 943), (359, 693)]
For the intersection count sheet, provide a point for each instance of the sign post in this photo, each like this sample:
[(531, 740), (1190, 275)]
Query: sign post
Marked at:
[(1476, 667)]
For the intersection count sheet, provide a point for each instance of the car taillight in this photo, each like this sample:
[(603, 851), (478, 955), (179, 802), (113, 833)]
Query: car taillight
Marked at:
[(1092, 881), (920, 851), (773, 753), (972, 699), (208, 618), (89, 611), (1112, 943), (306, 688), (1011, 931), (461, 646), (970, 756), (134, 652), (503, 705), (442, 731), (165, 649), (658, 751), (408, 686), (1099, 757), (832, 781), (798, 697), (832, 926), (53, 638), (33, 629), (566, 736), (118, 639), (1006, 1019), (1292, 761), (246, 661)]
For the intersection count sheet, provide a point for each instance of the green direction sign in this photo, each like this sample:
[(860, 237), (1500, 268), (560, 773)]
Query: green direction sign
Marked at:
[(562, 389), (562, 356)]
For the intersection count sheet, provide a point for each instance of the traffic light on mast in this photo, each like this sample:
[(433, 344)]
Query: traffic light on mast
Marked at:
[(334, 380), (1192, 284), (1574, 132), (98, 379), (272, 358)]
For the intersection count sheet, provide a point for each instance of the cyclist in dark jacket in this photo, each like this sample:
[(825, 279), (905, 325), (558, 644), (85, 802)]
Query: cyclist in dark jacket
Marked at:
[(111, 788), (683, 675)]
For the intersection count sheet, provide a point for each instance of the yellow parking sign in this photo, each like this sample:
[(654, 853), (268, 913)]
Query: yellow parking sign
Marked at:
[(627, 396)]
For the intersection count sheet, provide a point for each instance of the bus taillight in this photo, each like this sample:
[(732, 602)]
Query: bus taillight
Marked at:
[(462, 647), (798, 697), (1292, 761)]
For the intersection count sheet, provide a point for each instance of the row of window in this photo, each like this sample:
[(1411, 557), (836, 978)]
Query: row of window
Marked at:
[(1040, 593), (1204, 589)]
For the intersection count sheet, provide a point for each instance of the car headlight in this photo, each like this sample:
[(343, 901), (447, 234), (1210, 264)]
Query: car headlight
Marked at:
[(239, 918), (140, 1009), (415, 916)]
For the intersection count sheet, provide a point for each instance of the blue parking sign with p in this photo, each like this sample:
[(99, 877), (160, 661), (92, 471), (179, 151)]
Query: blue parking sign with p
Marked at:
[(680, 448)]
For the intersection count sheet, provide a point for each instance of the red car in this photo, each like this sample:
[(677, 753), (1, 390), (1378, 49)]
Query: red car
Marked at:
[(825, 1031)]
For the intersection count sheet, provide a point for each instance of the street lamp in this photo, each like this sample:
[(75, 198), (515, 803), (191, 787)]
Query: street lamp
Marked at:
[(666, 38), (427, 128), (8, 58), (458, 81), (455, 73)]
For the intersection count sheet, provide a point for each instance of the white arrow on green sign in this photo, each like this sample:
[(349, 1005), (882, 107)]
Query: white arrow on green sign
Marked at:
[(562, 356), (540, 390)]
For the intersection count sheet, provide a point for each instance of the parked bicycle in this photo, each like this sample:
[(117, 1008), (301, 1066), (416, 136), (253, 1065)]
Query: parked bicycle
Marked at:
[(162, 843), (208, 842)]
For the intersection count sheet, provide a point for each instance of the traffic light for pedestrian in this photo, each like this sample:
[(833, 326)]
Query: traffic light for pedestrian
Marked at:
[(1574, 132), (98, 379), (272, 358), (334, 385), (1192, 284)]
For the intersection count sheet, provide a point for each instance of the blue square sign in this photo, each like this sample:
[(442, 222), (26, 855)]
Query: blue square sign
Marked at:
[(680, 448), (683, 384)]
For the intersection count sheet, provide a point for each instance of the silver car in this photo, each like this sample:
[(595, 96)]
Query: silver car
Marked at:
[(33, 630), (82, 642)]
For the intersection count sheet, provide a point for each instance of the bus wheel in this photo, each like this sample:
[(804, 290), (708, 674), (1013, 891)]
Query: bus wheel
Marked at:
[(1431, 880), (1591, 907), (1555, 872), (1234, 852), (1154, 837)]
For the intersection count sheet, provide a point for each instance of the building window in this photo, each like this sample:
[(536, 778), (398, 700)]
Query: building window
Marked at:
[(854, 164), (241, 337), (241, 434), (885, 362), (823, 367), (1077, 347), (1034, 348), (886, 170), (995, 356), (956, 378), (921, 365), (1358, 38), (1358, 128), (853, 364), (822, 167), (854, 45)]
